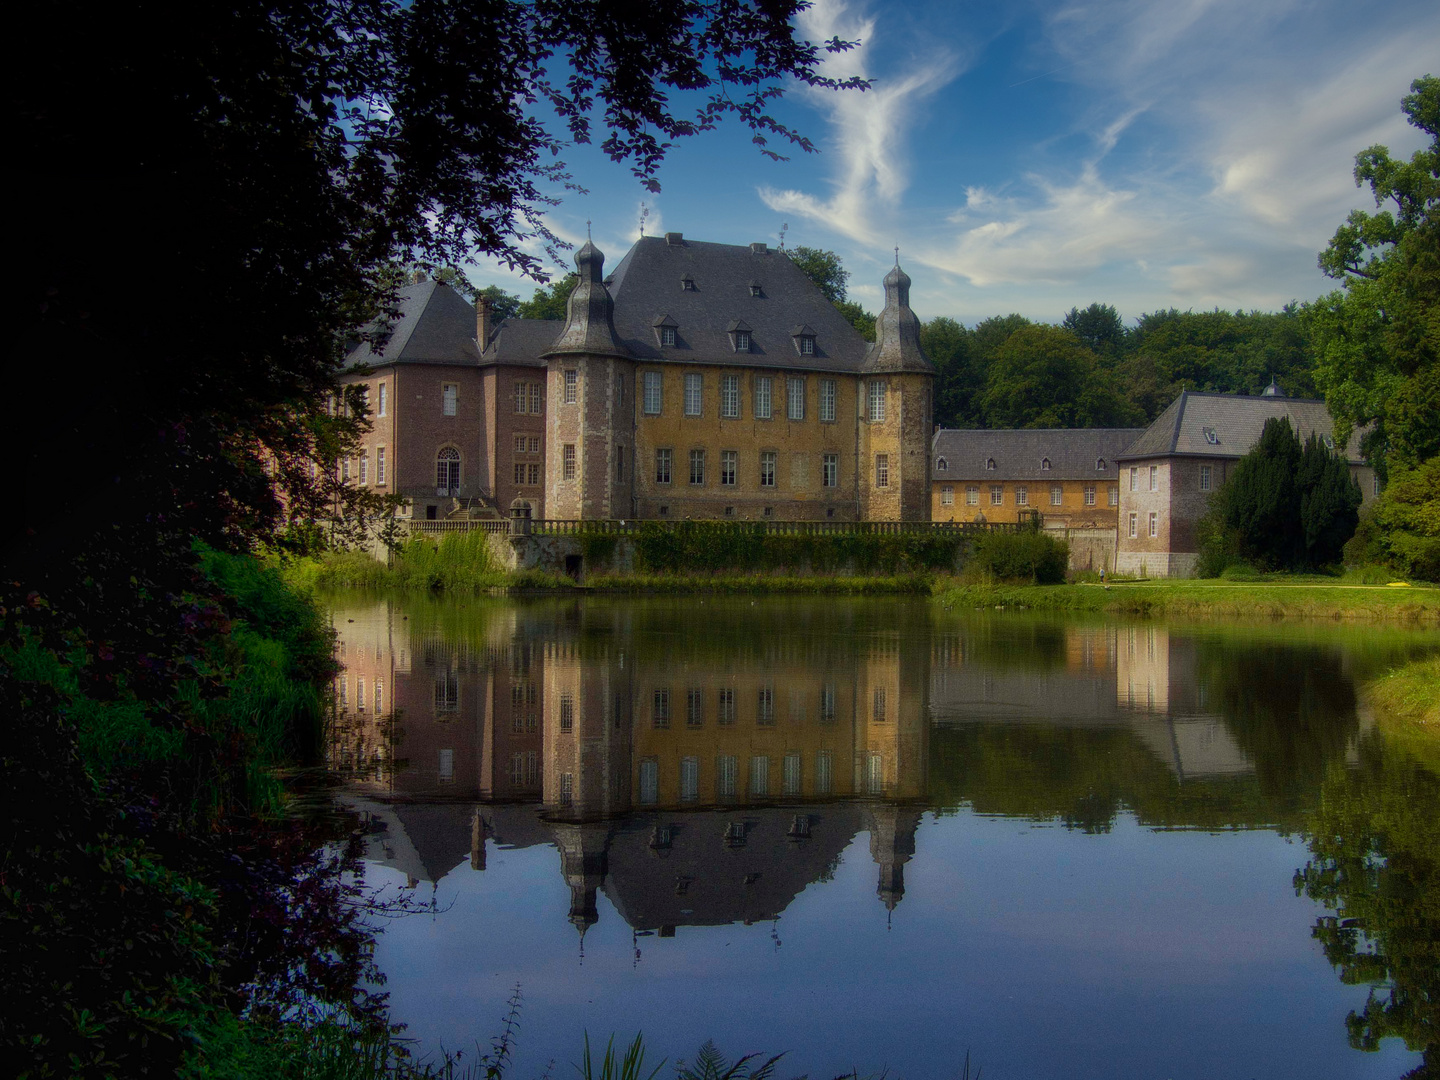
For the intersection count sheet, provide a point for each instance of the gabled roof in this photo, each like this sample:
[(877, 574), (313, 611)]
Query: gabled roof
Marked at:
[(1236, 421), (522, 341), (435, 326), (1020, 453), (646, 283)]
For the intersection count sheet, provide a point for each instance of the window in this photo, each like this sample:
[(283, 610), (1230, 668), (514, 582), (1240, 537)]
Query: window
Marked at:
[(697, 466), (619, 464), (830, 470), (730, 396), (1132, 525), (1057, 495), (791, 775), (687, 283), (572, 387), (534, 444), (827, 399), (1210, 436), (972, 495), (447, 766), (941, 465), (725, 706), (447, 471), (877, 401), (989, 464), (694, 708), (875, 774), (663, 461), (519, 473), (765, 706), (878, 711), (807, 345), (1022, 496), (360, 702), (742, 340), (762, 397), (759, 776), (649, 782), (689, 779), (667, 335), (567, 786), (947, 496), (382, 403), (1375, 484), (522, 397), (567, 712), (795, 398), (379, 695), (449, 394), (729, 459), (380, 465), (767, 468), (567, 461), (535, 473), (447, 692), (1205, 477), (997, 495), (345, 470), (660, 708), (882, 470), (1112, 495), (1154, 477), (652, 393), (1100, 465), (1089, 494), (824, 774), (1045, 464), (725, 770), (536, 405), (1154, 523), (522, 443), (694, 395), (364, 466), (827, 704)]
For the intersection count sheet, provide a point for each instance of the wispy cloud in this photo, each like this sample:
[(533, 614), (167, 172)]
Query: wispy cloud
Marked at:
[(870, 127)]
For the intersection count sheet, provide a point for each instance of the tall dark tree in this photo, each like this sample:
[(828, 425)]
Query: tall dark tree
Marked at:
[(1099, 328), (947, 344), (548, 303), (1042, 377), (1329, 503)]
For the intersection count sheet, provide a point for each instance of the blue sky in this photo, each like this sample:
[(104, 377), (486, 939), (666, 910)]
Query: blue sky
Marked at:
[(1035, 156)]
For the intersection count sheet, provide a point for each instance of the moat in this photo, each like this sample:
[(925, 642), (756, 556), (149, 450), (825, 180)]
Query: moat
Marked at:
[(874, 833)]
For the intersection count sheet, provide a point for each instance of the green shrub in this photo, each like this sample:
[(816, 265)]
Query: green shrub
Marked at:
[(1022, 556), (716, 546), (1401, 529)]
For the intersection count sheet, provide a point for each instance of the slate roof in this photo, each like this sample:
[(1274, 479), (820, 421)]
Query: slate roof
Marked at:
[(521, 341), (1236, 420), (436, 325), (1020, 453), (646, 285)]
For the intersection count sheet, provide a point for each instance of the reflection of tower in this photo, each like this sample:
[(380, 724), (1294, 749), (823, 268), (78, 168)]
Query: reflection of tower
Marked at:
[(892, 842), (892, 705), (583, 864), (586, 734), (1142, 669)]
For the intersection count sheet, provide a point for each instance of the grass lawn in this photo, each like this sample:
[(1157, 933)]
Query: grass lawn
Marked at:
[(1406, 706), (1273, 597)]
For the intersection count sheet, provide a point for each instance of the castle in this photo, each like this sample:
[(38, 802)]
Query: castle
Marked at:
[(696, 380)]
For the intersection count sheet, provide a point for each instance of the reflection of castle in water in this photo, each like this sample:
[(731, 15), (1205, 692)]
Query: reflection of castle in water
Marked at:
[(702, 778)]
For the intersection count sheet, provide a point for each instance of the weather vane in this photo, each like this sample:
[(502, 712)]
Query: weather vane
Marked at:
[(784, 227), (644, 213)]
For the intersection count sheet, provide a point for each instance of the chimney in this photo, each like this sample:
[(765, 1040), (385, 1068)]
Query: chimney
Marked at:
[(675, 239), (759, 249), (483, 328)]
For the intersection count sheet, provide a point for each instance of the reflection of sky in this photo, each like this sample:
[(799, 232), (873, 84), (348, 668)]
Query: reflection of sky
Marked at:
[(1044, 952)]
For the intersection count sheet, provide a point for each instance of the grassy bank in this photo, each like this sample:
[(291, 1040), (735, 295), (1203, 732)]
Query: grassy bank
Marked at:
[(817, 584), (1406, 705), (1272, 598)]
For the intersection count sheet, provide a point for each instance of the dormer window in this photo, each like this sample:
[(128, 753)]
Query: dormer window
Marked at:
[(942, 465), (1210, 436), (667, 335), (739, 331), (1100, 464), (666, 330), (1328, 441), (755, 289), (1045, 464), (687, 283), (990, 464), (807, 346), (804, 336)]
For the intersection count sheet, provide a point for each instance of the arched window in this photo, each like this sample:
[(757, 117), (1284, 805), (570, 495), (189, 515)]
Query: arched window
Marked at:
[(447, 471), (1100, 464), (1045, 464), (942, 464), (990, 463)]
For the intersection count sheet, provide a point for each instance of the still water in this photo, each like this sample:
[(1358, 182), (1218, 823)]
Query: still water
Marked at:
[(877, 834)]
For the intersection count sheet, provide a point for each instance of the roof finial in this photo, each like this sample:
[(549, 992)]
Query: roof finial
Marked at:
[(587, 230), (644, 213), (897, 254), (784, 228)]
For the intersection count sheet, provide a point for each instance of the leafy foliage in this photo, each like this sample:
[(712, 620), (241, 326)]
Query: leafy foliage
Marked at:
[(549, 303), (1042, 377), (1027, 555), (707, 547), (825, 269), (1401, 529), (711, 1064), (1283, 506)]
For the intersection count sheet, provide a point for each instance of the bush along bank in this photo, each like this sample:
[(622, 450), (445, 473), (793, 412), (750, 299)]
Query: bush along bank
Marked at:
[(144, 827)]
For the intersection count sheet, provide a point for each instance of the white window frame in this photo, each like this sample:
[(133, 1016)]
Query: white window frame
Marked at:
[(742, 340), (381, 401), (947, 495), (364, 466), (380, 477), (522, 397), (697, 467), (830, 470), (1112, 495), (654, 393), (1057, 495), (972, 494), (729, 467), (1205, 477), (1154, 524), (1134, 524), (449, 399), (667, 335), (768, 459), (764, 397), (694, 394), (568, 461), (1134, 478), (876, 401), (1154, 477), (827, 401), (795, 397), (730, 397), (997, 494), (882, 470), (1022, 495), (664, 464), (572, 386), (537, 404), (1090, 495)]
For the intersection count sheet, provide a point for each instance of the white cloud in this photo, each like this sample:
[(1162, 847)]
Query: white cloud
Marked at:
[(870, 127)]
